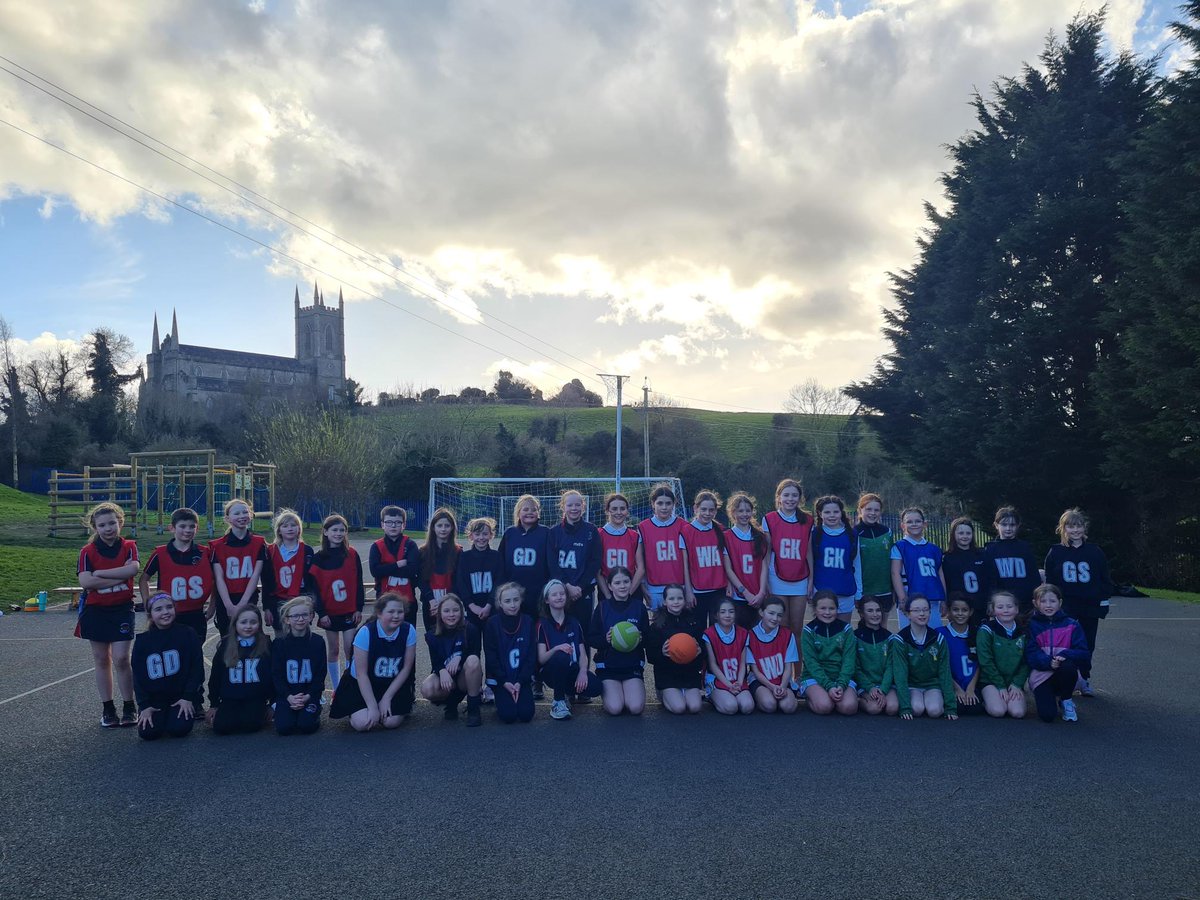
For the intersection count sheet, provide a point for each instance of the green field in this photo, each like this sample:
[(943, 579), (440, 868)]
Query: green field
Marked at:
[(736, 435)]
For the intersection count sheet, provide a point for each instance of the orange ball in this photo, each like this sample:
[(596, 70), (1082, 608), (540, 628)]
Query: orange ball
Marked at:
[(682, 648)]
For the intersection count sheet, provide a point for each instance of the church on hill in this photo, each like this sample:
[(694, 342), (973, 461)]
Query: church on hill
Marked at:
[(207, 375)]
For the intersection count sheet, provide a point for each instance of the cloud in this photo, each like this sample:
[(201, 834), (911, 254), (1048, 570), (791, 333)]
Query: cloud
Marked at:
[(720, 172)]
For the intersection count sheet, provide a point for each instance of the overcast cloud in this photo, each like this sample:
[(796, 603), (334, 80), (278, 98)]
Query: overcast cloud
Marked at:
[(720, 181)]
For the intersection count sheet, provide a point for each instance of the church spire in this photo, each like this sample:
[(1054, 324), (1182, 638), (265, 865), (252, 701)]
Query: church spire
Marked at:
[(316, 295), (297, 296), (341, 301), (154, 345), (174, 329)]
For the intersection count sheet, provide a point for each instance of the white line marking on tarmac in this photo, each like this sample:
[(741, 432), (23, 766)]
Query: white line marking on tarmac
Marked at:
[(44, 686)]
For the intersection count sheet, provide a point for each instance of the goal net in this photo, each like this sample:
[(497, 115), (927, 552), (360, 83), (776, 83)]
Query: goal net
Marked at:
[(497, 498)]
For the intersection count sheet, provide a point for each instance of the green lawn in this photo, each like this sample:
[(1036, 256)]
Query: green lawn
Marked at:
[(737, 435), (1185, 596)]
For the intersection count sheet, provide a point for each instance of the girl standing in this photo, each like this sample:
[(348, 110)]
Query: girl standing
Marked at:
[(238, 557), (575, 555), (620, 671), (184, 569), (107, 566), (1081, 570), (454, 666), (1055, 650), (962, 568), (620, 544), (836, 565), (921, 666), (830, 654), (510, 641), (478, 571), (439, 558), (378, 689), (240, 688), (679, 683), (874, 550), (873, 668), (725, 648), (1008, 562), (562, 652), (288, 560), (1003, 671), (525, 552), (666, 561), (746, 549), (335, 581), (704, 544), (771, 659), (298, 668), (395, 561), (168, 672), (789, 529), (917, 569)]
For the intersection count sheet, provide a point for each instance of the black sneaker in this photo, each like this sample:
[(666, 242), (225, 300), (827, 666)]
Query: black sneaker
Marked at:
[(108, 718), (129, 715), (451, 713), (538, 693)]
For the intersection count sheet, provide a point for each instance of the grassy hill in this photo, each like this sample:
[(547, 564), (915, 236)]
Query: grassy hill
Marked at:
[(736, 435)]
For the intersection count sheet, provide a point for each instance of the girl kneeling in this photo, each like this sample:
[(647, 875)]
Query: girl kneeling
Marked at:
[(379, 686), (455, 670), (771, 657), (298, 666), (168, 673), (921, 666)]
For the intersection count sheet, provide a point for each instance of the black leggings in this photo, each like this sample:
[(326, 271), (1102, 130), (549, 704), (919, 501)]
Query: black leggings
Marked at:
[(168, 722), (560, 672), (240, 716), (1089, 624), (1059, 686), (297, 721), (519, 711)]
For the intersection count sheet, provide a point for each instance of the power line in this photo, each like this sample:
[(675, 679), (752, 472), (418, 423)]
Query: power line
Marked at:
[(254, 240), (290, 224)]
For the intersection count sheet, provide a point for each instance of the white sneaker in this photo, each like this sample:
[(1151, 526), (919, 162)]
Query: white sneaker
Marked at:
[(1085, 688), (489, 696), (1069, 713), (560, 709)]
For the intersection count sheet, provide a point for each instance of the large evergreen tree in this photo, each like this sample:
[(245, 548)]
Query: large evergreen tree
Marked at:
[(998, 327), (107, 352), (1151, 385)]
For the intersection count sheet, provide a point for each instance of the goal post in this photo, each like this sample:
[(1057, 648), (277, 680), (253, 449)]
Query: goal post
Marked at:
[(496, 498)]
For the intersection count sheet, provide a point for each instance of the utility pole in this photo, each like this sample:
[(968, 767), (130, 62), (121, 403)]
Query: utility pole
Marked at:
[(646, 424), (620, 379)]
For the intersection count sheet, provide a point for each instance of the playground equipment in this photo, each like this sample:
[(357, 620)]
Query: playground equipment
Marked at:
[(156, 483)]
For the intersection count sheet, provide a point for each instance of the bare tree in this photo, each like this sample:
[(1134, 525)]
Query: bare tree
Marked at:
[(12, 387), (814, 399), (55, 378), (825, 410)]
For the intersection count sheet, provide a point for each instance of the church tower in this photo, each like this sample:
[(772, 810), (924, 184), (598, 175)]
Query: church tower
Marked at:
[(321, 340)]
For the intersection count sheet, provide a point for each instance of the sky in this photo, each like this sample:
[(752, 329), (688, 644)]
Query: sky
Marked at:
[(706, 195)]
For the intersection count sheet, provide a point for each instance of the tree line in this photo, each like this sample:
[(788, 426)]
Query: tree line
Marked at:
[(1045, 346)]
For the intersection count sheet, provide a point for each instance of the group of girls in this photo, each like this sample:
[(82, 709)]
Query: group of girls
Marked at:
[(503, 624)]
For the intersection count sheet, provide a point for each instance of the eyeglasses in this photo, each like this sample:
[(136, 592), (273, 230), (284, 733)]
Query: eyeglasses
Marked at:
[(299, 617)]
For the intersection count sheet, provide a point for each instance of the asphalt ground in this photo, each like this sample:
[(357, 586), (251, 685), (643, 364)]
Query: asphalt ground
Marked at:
[(658, 806)]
